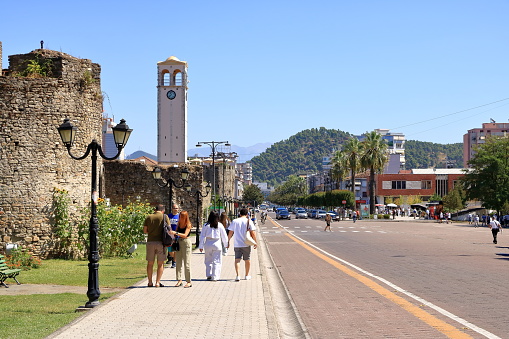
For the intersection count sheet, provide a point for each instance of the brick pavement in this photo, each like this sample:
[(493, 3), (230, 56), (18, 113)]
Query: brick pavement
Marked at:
[(223, 309)]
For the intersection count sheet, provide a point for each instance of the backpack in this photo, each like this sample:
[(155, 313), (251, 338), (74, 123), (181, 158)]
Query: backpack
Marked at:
[(167, 238)]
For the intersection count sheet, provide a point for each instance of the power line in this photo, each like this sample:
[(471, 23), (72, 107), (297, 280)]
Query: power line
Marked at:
[(443, 116)]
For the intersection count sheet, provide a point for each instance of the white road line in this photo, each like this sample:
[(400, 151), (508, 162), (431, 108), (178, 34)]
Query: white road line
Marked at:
[(407, 293)]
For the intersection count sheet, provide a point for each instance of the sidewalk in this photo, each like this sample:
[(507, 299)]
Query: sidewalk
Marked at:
[(223, 309)]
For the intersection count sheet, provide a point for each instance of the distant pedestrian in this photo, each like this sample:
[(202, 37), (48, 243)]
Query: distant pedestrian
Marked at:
[(354, 216), (238, 229), (153, 227), (328, 219), (213, 235), (183, 255), (483, 219), (476, 220), (495, 228)]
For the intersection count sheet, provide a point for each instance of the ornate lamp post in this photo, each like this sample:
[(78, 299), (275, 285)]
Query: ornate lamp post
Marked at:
[(198, 195), (170, 183), (213, 145), (121, 133)]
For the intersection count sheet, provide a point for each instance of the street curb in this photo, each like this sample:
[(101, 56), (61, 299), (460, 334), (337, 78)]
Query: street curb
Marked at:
[(283, 314)]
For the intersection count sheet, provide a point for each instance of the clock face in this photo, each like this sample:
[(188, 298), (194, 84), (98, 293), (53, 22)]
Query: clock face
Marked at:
[(171, 95)]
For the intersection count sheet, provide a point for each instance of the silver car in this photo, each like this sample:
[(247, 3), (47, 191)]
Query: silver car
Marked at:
[(301, 214)]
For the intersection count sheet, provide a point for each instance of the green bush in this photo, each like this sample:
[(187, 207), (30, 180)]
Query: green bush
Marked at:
[(386, 216), (21, 258), (119, 228)]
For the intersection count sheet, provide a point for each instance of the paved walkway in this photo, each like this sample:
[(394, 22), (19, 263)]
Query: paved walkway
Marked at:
[(223, 309)]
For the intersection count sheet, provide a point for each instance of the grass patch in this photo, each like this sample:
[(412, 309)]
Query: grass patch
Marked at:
[(114, 272), (38, 315)]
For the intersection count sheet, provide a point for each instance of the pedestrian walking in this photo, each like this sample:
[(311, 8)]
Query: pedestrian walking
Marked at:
[(238, 229), (495, 228), (212, 236), (328, 219), (223, 219), (174, 218), (354, 216), (183, 255), (153, 227), (476, 220)]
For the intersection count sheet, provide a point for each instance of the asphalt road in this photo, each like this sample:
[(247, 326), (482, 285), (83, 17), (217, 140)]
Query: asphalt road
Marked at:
[(385, 279)]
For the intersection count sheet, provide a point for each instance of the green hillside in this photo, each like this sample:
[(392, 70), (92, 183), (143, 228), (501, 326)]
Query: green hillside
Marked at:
[(302, 153)]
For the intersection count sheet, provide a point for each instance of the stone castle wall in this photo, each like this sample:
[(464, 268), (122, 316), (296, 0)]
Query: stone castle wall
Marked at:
[(130, 180), (33, 160)]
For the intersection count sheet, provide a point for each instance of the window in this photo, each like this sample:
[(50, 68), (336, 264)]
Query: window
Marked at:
[(166, 79), (178, 79), (426, 184), (398, 185)]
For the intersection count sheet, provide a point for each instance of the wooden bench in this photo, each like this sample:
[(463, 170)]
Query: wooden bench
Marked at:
[(6, 272)]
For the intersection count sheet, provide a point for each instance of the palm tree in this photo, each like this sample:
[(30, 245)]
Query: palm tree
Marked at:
[(352, 150), (374, 158), (338, 170)]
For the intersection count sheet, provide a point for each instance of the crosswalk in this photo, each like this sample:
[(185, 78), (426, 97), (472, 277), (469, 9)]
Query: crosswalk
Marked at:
[(316, 229)]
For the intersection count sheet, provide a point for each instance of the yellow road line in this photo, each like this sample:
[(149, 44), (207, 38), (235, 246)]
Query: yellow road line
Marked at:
[(448, 330)]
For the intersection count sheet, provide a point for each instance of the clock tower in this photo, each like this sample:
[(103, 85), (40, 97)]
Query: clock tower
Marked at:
[(172, 111)]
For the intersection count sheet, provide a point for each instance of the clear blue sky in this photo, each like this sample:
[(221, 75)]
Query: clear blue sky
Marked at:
[(261, 71)]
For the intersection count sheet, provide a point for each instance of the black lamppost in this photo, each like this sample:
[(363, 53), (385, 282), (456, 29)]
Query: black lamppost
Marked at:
[(170, 183), (198, 195), (121, 133), (213, 145)]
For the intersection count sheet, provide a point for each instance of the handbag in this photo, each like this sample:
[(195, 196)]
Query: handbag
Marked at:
[(249, 241), (168, 239)]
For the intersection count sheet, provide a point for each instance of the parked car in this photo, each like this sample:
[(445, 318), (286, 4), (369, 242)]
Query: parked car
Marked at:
[(311, 213), (334, 215), (301, 214), (283, 214), (320, 214)]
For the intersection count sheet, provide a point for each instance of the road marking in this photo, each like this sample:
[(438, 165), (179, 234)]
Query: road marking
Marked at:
[(445, 328)]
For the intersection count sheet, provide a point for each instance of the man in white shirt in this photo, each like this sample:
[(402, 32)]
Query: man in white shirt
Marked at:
[(238, 229), (495, 228)]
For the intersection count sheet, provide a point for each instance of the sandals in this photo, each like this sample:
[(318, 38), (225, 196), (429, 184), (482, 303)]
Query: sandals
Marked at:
[(150, 285), (188, 285), (159, 285), (178, 284)]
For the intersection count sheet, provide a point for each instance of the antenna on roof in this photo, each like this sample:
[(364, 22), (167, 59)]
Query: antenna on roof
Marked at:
[(493, 121)]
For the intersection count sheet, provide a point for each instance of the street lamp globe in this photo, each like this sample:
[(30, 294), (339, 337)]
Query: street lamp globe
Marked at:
[(67, 133), (121, 133), (156, 173)]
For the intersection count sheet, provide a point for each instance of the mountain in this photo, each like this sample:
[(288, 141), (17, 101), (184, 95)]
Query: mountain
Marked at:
[(245, 153), (423, 154), (302, 153), (138, 154)]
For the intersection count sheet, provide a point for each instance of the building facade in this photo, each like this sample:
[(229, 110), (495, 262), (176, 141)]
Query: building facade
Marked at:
[(477, 136), (172, 111)]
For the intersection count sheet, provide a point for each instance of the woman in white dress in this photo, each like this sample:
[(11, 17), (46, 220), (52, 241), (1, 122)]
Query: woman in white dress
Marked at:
[(212, 236)]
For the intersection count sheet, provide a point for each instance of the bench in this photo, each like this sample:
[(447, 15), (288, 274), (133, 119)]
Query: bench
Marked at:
[(6, 272)]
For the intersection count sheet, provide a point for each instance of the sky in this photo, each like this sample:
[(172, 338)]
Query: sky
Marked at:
[(262, 71)]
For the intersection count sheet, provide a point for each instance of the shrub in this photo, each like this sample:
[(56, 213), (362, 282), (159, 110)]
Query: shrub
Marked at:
[(119, 228), (21, 258)]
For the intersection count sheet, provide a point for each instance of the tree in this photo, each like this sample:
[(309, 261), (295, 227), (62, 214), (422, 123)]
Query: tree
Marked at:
[(455, 200), (374, 157), (289, 192), (489, 176), (352, 150), (252, 194)]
